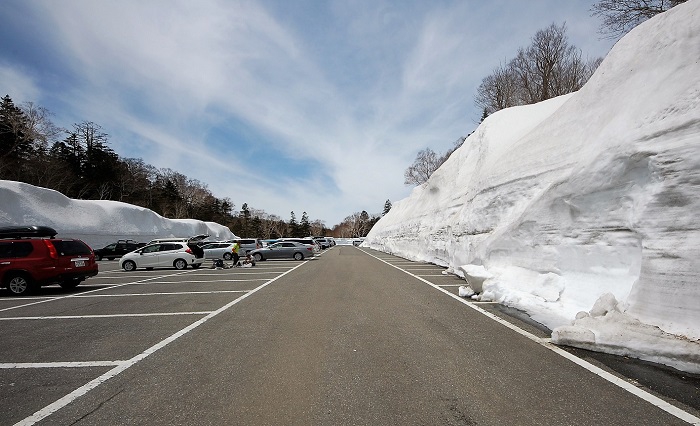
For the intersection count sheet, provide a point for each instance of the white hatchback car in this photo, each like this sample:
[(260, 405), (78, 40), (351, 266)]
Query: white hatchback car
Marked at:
[(176, 255)]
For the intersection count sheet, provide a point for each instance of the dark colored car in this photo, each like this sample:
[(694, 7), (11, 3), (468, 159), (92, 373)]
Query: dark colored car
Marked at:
[(31, 256), (118, 249)]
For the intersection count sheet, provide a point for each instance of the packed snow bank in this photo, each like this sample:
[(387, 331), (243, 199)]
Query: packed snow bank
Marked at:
[(97, 222), (557, 207)]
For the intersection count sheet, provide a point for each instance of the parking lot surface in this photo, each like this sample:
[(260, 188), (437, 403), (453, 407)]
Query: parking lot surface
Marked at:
[(352, 337)]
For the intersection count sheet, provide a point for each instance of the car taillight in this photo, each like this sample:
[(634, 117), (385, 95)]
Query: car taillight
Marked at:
[(188, 251), (53, 254), (309, 249)]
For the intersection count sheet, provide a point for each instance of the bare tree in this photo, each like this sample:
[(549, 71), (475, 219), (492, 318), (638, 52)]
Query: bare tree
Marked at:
[(317, 227), (548, 67), (498, 91), (620, 16), (425, 164)]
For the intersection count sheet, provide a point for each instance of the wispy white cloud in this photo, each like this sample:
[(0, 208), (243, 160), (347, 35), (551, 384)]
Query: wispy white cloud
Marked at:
[(17, 83), (345, 93)]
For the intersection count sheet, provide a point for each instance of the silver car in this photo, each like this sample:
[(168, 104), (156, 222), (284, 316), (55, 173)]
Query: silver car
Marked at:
[(283, 250), (218, 250)]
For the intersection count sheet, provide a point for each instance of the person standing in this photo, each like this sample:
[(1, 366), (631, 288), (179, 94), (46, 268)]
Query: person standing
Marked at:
[(234, 252)]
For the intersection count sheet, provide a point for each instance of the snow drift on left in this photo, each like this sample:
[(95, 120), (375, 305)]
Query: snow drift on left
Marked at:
[(97, 222)]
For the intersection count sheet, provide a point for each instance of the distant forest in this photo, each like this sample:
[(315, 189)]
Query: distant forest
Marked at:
[(79, 163)]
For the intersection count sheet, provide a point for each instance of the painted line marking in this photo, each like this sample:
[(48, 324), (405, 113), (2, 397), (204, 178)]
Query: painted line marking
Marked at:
[(164, 293), (77, 393), (638, 392), (57, 317), (90, 291), (74, 364), (204, 281)]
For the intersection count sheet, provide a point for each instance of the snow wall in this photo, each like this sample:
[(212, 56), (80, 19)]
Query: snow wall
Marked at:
[(582, 210), (97, 222)]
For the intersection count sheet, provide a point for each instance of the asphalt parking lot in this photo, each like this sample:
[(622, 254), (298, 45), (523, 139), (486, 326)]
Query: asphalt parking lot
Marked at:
[(59, 340), (61, 344)]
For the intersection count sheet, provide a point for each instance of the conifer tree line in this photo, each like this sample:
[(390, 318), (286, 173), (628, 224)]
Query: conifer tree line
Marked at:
[(79, 163)]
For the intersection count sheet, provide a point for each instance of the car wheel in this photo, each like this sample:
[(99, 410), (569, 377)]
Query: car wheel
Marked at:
[(98, 257), (258, 257), (20, 285), (180, 264), (129, 266), (70, 283), (228, 256), (298, 256)]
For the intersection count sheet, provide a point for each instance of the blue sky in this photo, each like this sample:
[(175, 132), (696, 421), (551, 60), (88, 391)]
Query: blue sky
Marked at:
[(301, 105)]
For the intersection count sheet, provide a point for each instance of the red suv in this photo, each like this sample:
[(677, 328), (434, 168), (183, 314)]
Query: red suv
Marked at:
[(31, 256)]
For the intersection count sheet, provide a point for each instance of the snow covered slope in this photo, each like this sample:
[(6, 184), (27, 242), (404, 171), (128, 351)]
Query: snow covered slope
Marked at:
[(582, 210), (97, 222)]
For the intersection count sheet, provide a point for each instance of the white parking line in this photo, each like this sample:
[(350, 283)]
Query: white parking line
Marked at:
[(203, 281), (155, 314), (176, 293), (546, 342), (77, 364), (77, 393), (90, 291)]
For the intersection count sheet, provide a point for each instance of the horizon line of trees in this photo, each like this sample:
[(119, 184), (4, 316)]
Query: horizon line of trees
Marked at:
[(80, 164)]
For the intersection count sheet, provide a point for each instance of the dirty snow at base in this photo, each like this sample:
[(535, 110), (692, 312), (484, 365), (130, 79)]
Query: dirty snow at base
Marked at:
[(583, 210)]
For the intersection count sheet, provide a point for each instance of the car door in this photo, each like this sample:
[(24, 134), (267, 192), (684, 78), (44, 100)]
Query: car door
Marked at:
[(286, 251), (221, 249), (13, 254), (168, 253), (148, 256)]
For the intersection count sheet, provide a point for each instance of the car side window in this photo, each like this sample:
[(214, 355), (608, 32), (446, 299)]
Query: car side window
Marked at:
[(151, 249), (70, 247), (169, 247), (15, 249), (287, 245)]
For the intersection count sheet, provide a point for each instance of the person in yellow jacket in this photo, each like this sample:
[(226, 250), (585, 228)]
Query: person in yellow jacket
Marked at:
[(234, 252)]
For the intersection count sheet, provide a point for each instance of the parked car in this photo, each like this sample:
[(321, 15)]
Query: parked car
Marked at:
[(219, 250), (118, 249), (175, 254), (306, 241), (323, 242), (31, 256), (247, 245), (266, 243), (283, 250), (191, 240)]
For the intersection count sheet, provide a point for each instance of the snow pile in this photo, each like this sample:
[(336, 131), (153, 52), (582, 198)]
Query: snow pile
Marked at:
[(581, 202), (97, 222)]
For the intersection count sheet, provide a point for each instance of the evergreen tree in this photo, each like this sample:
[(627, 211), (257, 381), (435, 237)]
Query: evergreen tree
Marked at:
[(304, 226), (387, 207), (15, 143), (245, 220), (293, 228)]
